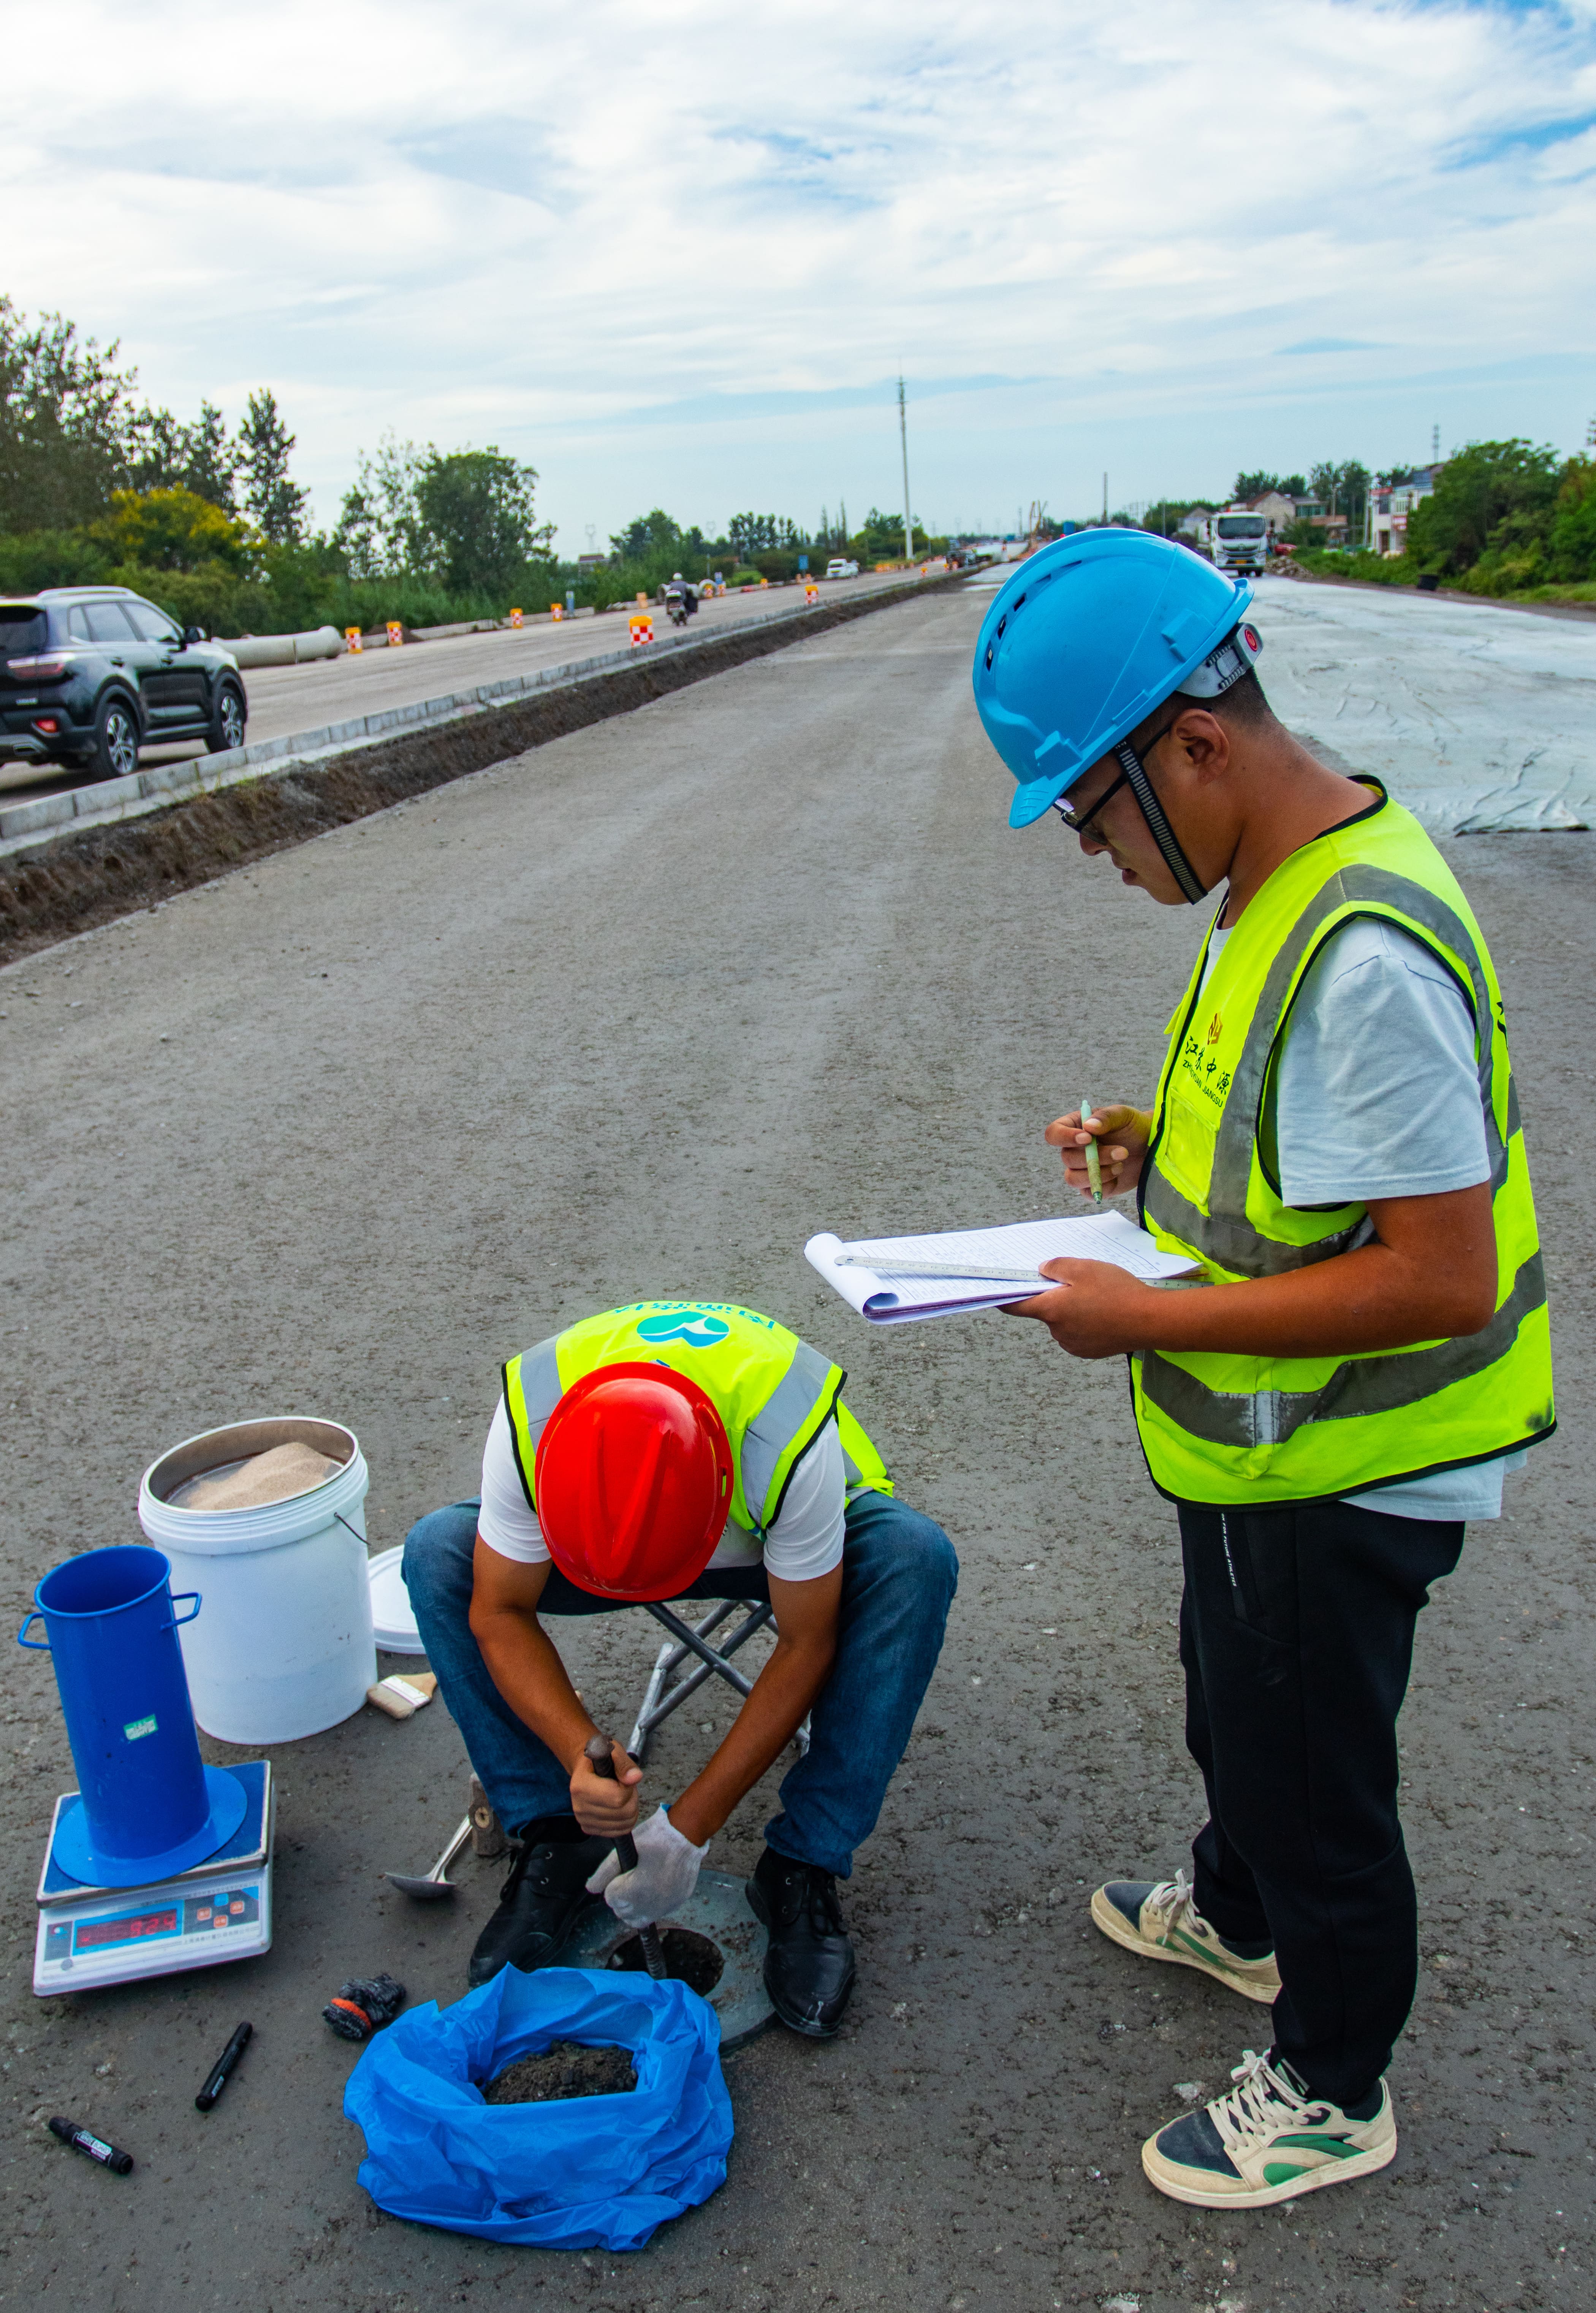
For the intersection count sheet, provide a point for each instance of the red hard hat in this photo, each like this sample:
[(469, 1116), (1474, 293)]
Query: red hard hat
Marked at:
[(633, 1479)]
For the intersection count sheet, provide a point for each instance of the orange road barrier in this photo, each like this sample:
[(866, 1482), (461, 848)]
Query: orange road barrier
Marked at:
[(514, 617), (352, 637), (557, 609), (811, 592), (642, 628), (395, 633)]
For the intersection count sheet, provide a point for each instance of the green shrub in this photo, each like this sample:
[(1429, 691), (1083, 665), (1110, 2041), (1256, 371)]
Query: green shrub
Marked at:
[(176, 530), (52, 557), (1380, 569)]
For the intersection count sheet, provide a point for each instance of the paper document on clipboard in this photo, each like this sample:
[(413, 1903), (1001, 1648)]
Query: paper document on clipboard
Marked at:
[(863, 1271)]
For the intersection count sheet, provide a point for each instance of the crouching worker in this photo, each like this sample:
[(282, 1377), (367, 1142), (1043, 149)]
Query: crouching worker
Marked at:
[(653, 1453)]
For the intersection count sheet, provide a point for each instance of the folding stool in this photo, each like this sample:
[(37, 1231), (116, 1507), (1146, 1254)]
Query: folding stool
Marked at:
[(660, 1698)]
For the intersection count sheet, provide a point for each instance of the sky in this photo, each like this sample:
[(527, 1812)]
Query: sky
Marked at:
[(679, 255)]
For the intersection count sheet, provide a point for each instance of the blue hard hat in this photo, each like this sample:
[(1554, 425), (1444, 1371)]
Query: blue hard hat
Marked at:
[(1084, 641)]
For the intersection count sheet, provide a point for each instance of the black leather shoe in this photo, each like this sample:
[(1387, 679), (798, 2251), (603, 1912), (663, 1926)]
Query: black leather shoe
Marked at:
[(808, 1969), (546, 1890)]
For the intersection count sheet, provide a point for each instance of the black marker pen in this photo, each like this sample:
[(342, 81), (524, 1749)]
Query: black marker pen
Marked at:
[(217, 2080), (91, 2147)]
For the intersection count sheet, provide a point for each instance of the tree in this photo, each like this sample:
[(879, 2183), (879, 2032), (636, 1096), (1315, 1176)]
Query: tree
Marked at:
[(1167, 516), (1253, 486), (168, 456), (1490, 493), (67, 423), (1572, 539), (211, 462), (763, 533), (477, 514), (275, 504), (174, 530), (1342, 489), (379, 528), (647, 536)]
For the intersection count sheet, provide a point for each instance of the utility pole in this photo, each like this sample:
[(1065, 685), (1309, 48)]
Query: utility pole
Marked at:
[(903, 438), (1105, 501), (1435, 444)]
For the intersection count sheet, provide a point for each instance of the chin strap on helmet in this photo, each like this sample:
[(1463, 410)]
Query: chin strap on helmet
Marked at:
[(1192, 887), (1222, 668)]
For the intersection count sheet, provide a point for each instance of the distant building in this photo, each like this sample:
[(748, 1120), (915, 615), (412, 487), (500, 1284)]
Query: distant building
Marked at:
[(586, 562), (1195, 523), (1277, 510), (1314, 512), (1386, 528)]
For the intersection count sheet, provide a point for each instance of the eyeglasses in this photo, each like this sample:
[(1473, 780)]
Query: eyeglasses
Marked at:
[(1078, 825)]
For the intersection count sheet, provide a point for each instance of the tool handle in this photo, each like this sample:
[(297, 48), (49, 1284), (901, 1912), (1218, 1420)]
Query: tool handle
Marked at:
[(34, 1646), (599, 1759)]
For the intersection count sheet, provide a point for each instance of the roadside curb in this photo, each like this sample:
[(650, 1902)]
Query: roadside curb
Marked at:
[(166, 830)]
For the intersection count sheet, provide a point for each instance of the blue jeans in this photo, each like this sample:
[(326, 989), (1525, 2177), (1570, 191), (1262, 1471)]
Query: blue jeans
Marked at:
[(899, 1574)]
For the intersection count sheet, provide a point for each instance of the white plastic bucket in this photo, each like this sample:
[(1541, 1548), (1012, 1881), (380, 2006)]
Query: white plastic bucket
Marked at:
[(284, 1647)]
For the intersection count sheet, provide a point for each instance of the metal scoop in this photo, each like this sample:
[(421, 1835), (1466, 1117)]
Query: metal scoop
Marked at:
[(427, 1890)]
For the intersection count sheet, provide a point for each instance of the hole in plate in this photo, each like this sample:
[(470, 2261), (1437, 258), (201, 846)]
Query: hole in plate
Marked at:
[(690, 1958)]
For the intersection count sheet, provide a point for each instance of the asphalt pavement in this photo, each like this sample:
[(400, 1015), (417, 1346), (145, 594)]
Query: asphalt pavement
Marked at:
[(634, 1015), (284, 700)]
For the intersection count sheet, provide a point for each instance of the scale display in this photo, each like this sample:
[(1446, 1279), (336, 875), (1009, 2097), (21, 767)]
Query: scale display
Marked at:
[(218, 1911)]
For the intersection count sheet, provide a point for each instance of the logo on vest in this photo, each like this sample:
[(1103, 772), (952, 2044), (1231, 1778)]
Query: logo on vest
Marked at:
[(696, 1327), (1215, 1028)]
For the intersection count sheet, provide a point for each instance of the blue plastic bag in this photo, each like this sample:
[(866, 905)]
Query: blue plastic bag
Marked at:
[(582, 2172)]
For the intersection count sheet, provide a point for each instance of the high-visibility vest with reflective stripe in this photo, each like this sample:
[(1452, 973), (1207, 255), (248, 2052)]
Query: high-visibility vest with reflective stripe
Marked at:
[(1230, 1430), (774, 1393)]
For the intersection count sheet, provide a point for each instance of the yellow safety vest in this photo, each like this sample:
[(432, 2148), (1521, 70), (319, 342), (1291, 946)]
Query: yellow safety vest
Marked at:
[(1226, 1429), (774, 1393)]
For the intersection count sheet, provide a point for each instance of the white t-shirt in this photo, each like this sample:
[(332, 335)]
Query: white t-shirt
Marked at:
[(1376, 1095), (805, 1540)]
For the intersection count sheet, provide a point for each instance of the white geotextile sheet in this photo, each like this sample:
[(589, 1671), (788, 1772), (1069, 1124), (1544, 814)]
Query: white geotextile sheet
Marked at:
[(1479, 719)]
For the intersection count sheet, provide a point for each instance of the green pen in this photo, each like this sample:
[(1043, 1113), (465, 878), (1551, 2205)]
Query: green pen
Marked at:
[(1094, 1163)]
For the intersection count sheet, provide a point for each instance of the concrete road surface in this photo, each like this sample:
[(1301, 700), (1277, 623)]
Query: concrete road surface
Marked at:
[(634, 1015), (284, 700), (1483, 716)]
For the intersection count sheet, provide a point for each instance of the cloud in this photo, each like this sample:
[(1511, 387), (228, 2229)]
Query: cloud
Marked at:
[(680, 254)]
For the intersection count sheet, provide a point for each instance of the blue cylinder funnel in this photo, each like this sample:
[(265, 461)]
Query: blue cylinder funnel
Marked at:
[(149, 1805)]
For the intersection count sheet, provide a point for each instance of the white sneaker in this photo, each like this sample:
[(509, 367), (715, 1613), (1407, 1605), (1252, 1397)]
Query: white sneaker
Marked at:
[(1159, 1919), (1268, 2139)]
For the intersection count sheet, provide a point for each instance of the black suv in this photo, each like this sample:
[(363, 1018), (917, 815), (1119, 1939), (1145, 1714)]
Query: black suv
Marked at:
[(89, 674)]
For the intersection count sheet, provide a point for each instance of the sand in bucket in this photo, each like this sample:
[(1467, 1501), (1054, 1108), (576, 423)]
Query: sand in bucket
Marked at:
[(275, 1476)]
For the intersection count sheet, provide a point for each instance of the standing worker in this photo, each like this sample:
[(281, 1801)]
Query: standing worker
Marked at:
[(1335, 1138), (667, 1450)]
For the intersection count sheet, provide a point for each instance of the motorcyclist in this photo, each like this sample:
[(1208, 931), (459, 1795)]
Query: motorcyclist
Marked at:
[(680, 594)]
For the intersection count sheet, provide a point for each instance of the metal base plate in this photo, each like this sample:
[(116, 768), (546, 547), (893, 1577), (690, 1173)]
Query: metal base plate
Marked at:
[(716, 1908)]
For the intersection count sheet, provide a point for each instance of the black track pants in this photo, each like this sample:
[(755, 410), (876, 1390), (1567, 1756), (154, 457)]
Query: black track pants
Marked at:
[(1296, 1635)]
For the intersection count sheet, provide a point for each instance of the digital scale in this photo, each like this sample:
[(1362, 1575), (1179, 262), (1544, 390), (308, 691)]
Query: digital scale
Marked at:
[(219, 1909)]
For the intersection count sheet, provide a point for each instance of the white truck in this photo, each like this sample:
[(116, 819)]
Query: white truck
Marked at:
[(1239, 541)]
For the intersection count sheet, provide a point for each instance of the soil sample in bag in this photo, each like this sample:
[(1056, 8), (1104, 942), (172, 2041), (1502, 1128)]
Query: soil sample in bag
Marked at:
[(567, 2069), (274, 1476)]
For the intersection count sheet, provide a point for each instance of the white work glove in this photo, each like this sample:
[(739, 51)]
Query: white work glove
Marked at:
[(666, 1875)]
